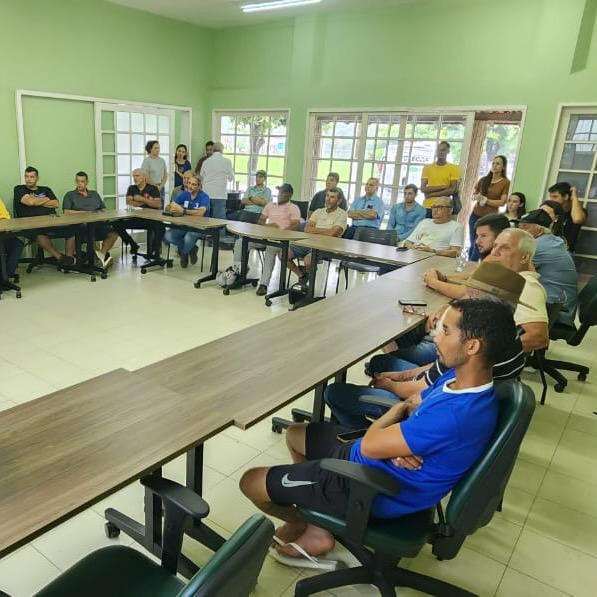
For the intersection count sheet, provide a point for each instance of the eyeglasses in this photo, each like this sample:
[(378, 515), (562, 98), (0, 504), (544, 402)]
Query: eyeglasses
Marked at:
[(412, 310)]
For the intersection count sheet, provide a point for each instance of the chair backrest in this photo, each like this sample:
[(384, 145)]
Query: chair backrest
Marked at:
[(234, 568), (587, 303), (251, 217), (303, 207), (374, 235), (479, 493)]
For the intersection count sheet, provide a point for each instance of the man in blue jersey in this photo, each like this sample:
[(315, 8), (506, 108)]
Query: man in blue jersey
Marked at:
[(427, 442)]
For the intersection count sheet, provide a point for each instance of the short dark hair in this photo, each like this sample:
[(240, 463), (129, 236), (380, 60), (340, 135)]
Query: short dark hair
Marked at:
[(496, 222), (557, 207), (209, 144), (31, 169), (563, 188), (490, 321), (334, 175), (444, 143), (83, 174), (414, 187), (149, 145)]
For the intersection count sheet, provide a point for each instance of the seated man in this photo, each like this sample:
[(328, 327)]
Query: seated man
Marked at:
[(176, 191), (402, 379), (440, 234), (427, 443), (366, 211), (193, 202), (84, 199), (575, 215), (318, 200), (329, 221), (13, 247), (142, 194), (259, 195), (33, 200), (554, 264), (404, 217), (285, 215)]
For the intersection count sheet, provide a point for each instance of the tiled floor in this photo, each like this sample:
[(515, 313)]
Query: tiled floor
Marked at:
[(67, 329)]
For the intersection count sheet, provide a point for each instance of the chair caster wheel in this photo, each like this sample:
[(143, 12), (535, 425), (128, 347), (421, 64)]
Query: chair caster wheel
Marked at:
[(226, 291), (560, 387), (104, 276), (112, 531), (254, 283), (93, 278), (143, 270), (197, 284), (276, 428), (29, 270), (582, 377), (19, 295), (268, 303), (169, 264)]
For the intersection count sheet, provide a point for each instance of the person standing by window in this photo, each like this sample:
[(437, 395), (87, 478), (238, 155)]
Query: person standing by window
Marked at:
[(181, 164), (490, 193), (439, 179), (155, 166)]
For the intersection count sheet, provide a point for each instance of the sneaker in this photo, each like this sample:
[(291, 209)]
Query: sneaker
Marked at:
[(193, 255), (66, 260), (261, 290), (104, 259), (184, 260)]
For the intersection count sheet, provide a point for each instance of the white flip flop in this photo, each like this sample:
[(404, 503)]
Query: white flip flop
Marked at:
[(307, 561)]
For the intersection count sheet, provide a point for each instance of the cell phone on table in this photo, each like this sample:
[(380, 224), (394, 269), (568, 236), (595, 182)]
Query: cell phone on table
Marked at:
[(411, 303), (350, 436), (401, 249)]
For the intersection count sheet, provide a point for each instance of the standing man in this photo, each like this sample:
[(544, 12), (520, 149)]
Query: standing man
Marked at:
[(439, 179), (259, 195), (216, 173), (366, 211), (33, 200), (404, 217), (284, 215), (13, 247), (575, 215), (318, 201), (209, 149), (84, 199)]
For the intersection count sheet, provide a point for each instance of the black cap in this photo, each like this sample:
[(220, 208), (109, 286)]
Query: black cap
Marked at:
[(536, 216), (286, 188), (557, 207)]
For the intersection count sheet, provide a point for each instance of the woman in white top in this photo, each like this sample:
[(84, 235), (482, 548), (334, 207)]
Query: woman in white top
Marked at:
[(155, 166)]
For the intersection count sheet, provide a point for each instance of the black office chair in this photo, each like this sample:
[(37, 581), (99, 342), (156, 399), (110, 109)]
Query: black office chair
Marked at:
[(126, 572), (379, 545), (587, 315), (303, 208), (367, 235)]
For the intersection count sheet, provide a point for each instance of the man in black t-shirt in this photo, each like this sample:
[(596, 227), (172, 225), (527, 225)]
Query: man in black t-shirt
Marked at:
[(575, 215), (32, 200), (318, 200), (142, 194)]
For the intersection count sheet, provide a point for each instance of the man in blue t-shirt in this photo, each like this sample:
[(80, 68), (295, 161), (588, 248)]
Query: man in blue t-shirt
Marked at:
[(366, 211), (404, 217), (427, 442), (193, 202)]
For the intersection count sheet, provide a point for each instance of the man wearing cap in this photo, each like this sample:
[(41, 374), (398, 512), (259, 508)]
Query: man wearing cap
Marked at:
[(366, 211), (440, 234), (330, 220), (282, 214), (398, 379), (259, 195), (554, 264)]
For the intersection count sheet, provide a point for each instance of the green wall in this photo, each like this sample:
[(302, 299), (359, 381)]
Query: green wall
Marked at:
[(90, 48), (420, 54)]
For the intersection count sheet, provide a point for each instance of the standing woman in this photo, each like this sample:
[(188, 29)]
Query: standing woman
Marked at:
[(155, 166), (181, 163), (490, 193), (516, 206)]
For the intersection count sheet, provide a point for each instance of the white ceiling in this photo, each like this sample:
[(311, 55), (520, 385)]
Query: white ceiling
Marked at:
[(227, 13)]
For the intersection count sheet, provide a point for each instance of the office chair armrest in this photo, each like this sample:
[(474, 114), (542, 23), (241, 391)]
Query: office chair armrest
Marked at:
[(182, 498), (364, 483), (378, 401)]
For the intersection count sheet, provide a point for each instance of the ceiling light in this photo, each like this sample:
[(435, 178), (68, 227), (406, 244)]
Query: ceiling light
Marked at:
[(258, 6)]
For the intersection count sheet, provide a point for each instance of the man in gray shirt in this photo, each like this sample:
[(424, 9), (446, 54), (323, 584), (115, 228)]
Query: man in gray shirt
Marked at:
[(84, 199)]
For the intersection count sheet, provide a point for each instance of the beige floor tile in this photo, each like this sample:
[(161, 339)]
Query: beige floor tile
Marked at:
[(259, 436), (128, 500), (227, 455), (25, 572), (497, 540), (516, 506), (6, 404), (527, 476), (585, 423), (570, 492), (275, 579), (515, 584), (176, 470), (25, 387), (576, 456), (555, 564), (263, 459)]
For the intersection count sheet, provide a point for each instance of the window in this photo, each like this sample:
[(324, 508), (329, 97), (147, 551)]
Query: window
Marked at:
[(574, 160), (392, 147), (254, 141)]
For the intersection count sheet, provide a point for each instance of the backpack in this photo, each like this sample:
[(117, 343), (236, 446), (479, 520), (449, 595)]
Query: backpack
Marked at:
[(227, 278)]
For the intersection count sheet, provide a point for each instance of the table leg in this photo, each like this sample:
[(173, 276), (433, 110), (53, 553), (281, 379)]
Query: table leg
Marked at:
[(310, 298), (303, 416), (215, 252)]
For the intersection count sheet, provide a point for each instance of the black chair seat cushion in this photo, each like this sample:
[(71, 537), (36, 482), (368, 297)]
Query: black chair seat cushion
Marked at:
[(114, 570), (562, 331), (400, 537)]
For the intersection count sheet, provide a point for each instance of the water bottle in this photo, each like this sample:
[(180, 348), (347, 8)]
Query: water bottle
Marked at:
[(461, 261)]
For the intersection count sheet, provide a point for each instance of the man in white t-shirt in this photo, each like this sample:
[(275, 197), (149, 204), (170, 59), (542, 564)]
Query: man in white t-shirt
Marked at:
[(216, 172), (440, 234)]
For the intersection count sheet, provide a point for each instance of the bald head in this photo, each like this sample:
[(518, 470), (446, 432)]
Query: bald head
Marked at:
[(515, 249)]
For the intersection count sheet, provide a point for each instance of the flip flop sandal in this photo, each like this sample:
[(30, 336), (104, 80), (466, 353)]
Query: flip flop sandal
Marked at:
[(307, 561)]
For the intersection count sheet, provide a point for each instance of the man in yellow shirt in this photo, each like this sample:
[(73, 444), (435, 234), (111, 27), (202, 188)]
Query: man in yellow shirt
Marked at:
[(439, 179), (12, 248)]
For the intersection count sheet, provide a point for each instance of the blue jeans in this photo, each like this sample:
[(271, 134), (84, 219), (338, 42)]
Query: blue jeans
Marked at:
[(473, 252), (343, 399), (185, 241), (13, 247)]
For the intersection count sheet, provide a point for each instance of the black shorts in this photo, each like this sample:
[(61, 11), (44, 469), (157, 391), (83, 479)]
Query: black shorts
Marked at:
[(62, 232), (101, 230), (306, 485)]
